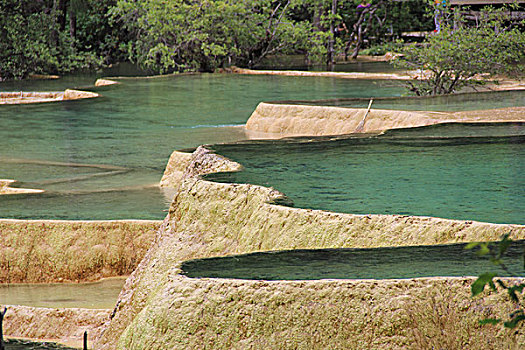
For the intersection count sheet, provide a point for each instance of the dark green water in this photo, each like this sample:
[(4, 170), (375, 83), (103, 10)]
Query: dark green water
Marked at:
[(455, 102), (29, 345), (96, 295), (133, 129), (376, 263), (467, 175), (297, 62)]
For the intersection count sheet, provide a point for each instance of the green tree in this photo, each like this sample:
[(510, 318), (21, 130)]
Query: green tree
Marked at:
[(179, 35), (36, 39), (465, 54), (496, 254)]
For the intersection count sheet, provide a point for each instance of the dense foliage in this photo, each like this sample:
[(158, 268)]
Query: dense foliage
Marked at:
[(58, 36), (55, 36), (466, 54), (180, 35)]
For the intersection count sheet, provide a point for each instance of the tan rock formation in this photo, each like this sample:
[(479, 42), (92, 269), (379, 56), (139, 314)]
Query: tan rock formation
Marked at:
[(39, 97), (65, 326), (299, 120), (183, 165), (493, 84), (43, 77), (57, 251), (5, 189), (105, 82), (343, 75), (425, 313), (160, 309), (77, 94)]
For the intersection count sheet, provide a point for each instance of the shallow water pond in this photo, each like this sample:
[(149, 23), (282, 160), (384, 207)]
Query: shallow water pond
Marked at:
[(96, 295), (100, 158), (103, 158)]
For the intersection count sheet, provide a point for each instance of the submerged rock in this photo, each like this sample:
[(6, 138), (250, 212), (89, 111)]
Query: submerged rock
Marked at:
[(39, 97), (5, 189)]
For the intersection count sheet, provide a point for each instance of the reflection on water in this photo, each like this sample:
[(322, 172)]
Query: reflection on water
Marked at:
[(416, 172), (297, 62), (376, 263), (96, 295)]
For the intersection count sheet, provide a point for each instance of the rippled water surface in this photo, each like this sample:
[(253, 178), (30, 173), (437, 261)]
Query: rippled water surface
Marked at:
[(376, 263)]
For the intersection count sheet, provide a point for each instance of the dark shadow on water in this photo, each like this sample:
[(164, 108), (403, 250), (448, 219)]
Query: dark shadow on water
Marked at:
[(374, 263)]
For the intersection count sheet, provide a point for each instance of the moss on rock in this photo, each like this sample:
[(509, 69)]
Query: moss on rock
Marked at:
[(210, 219), (56, 251)]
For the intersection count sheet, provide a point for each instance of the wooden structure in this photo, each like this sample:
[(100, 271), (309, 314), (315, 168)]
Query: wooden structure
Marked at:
[(515, 15)]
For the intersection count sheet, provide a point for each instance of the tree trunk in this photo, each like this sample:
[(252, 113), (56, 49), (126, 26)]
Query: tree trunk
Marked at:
[(61, 14), (317, 17), (72, 26), (53, 38), (330, 57), (359, 42)]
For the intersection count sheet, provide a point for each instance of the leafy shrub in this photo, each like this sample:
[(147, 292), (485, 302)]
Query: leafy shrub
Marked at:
[(465, 55)]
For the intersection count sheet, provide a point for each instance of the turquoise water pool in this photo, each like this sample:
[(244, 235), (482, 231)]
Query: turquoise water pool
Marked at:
[(102, 158), (446, 103), (132, 129), (454, 171)]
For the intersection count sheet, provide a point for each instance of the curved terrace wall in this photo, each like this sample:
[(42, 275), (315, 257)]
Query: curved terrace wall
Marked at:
[(183, 165), (418, 314), (158, 308)]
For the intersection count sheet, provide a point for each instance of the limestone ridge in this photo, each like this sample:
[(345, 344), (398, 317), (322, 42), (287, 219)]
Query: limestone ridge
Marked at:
[(45, 251), (160, 309), (202, 161), (6, 189), (54, 324), (21, 97), (285, 120)]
